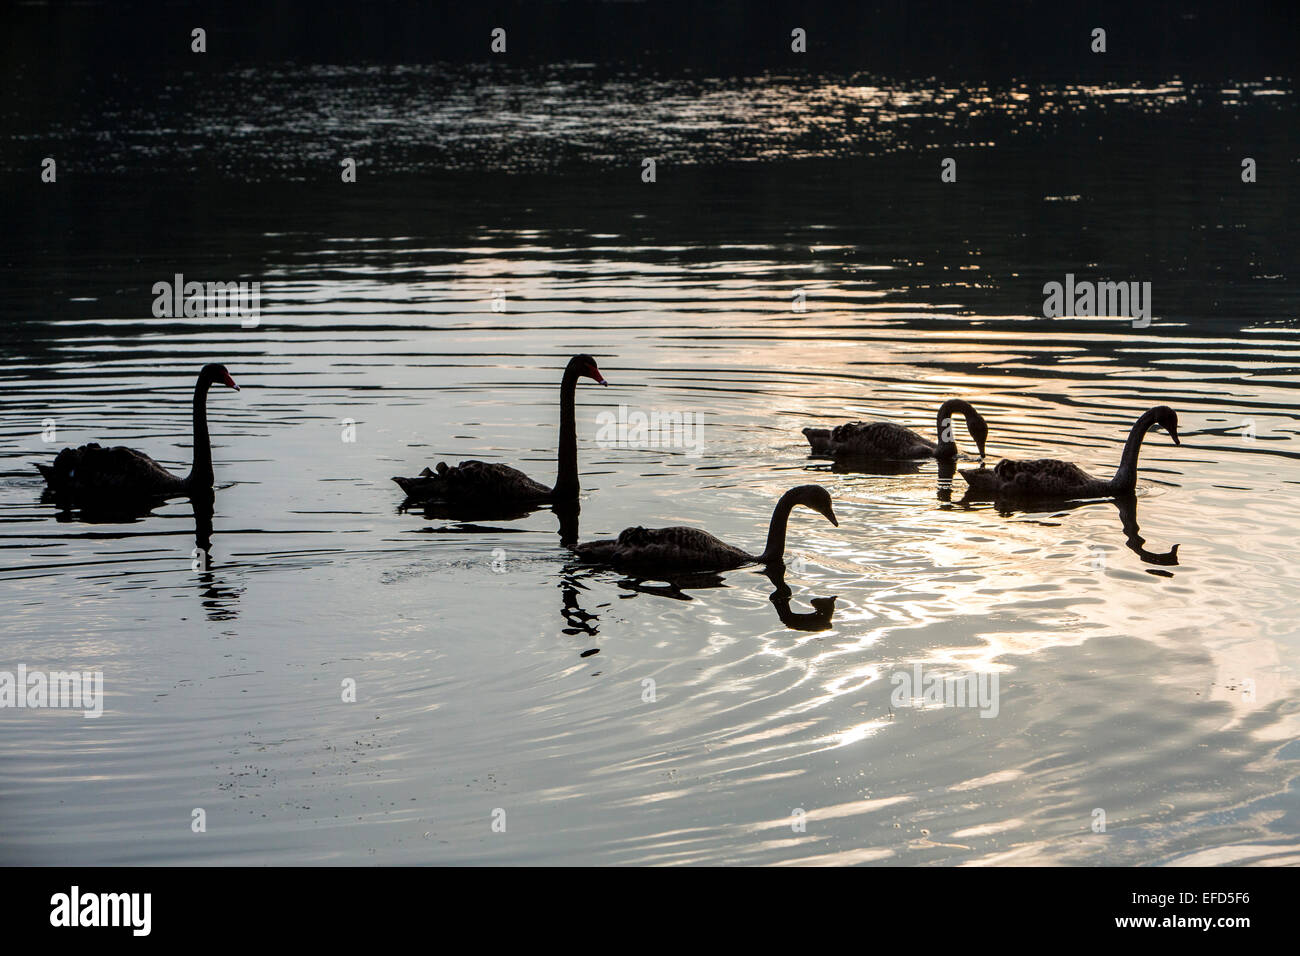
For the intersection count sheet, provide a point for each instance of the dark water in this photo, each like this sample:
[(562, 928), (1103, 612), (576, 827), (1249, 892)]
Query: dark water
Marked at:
[(1158, 686)]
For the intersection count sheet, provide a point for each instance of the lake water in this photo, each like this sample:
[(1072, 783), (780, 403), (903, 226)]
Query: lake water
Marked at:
[(495, 679)]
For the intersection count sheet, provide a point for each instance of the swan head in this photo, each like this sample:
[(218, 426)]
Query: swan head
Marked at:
[(216, 374), (1167, 419), (585, 366), (817, 498)]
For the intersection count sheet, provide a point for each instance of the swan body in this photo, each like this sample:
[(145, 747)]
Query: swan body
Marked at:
[(689, 550), (1053, 479), (1036, 478), (684, 550), (886, 440), (478, 483), (869, 440), (94, 473)]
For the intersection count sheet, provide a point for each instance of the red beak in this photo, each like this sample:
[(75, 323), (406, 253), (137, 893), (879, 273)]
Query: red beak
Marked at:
[(595, 373), (230, 382)]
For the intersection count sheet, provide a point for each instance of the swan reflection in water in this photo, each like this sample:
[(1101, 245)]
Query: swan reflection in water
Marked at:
[(446, 511), (818, 619), (946, 470), (219, 600), (578, 620), (467, 515), (885, 467), (1125, 504)]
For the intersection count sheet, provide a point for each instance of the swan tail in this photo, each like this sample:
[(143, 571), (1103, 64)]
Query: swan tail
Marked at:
[(819, 439), (428, 484), (422, 485), (981, 480)]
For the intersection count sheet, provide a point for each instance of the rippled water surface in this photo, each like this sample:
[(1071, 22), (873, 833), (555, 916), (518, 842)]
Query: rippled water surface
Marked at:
[(1148, 674)]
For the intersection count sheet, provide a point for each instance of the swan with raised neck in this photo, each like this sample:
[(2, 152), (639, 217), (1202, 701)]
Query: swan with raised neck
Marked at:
[(1053, 479), (495, 486), (102, 475)]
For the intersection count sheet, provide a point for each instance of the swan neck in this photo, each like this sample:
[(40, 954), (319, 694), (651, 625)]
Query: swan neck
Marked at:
[(1126, 475), (201, 473), (774, 553), (943, 423), (566, 478)]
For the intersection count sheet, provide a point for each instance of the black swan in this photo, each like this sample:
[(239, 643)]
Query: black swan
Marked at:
[(689, 550), (500, 486), (106, 474), (886, 440), (1051, 479)]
